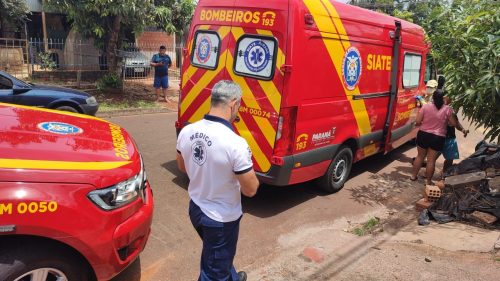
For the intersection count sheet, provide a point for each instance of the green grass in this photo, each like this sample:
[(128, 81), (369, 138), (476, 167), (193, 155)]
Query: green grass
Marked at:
[(106, 106), (367, 227)]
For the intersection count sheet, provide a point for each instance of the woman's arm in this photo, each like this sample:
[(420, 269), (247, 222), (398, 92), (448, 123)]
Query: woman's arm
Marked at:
[(420, 116), (452, 120)]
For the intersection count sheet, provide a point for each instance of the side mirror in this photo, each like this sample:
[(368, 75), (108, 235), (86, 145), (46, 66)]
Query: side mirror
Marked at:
[(441, 81)]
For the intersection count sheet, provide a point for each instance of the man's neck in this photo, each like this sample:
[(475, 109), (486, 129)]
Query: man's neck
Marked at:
[(220, 112)]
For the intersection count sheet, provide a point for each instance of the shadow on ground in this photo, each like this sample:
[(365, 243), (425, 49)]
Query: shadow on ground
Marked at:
[(272, 200), (131, 273)]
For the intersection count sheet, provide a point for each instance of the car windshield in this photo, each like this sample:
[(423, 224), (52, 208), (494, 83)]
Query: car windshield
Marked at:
[(15, 81)]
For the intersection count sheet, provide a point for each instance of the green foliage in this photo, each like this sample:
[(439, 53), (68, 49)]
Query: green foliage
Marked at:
[(174, 15), (367, 227), (46, 61), (109, 81), (404, 15), (383, 6), (14, 11), (465, 45), (465, 38)]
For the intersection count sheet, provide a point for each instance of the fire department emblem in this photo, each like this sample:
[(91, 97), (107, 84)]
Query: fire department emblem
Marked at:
[(199, 152), (351, 68), (60, 128), (257, 56), (203, 51)]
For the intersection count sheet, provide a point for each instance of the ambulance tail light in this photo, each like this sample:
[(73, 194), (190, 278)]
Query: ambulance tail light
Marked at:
[(285, 132)]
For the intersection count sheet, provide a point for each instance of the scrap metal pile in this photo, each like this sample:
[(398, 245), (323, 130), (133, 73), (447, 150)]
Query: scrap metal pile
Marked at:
[(470, 191)]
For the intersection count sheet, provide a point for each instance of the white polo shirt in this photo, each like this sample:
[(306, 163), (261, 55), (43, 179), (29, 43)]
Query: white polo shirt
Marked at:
[(213, 154)]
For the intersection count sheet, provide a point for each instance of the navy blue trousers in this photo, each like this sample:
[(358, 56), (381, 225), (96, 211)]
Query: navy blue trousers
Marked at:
[(219, 245)]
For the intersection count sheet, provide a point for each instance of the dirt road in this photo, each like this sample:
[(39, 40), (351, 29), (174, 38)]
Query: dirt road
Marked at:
[(283, 227)]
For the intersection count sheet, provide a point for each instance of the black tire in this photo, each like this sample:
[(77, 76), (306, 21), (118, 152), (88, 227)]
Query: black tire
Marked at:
[(338, 171), (20, 262), (67, 108)]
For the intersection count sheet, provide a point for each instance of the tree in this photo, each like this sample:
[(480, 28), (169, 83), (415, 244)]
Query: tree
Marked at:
[(14, 12), (105, 20), (384, 6), (465, 40), (174, 15)]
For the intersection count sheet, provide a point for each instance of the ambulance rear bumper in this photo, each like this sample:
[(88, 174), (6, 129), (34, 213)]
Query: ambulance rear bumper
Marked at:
[(278, 175), (306, 166)]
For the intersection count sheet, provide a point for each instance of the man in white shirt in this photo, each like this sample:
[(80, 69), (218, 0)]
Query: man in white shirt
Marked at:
[(219, 165)]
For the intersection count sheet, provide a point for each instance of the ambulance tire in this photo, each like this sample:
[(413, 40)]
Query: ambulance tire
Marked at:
[(67, 108), (338, 171), (29, 259)]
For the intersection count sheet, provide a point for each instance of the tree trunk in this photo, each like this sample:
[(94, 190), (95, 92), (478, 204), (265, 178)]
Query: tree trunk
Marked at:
[(112, 45)]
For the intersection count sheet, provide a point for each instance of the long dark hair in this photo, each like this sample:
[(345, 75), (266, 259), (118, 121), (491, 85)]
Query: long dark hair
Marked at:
[(437, 98)]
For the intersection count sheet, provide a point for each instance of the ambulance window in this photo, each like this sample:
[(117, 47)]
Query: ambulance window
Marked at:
[(205, 53), (430, 69), (411, 70), (255, 56)]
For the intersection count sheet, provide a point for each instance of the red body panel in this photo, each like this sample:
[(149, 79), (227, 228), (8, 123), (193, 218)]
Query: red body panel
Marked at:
[(322, 43), (46, 195)]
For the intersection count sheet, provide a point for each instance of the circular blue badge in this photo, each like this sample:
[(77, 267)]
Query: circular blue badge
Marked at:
[(351, 68), (257, 56), (60, 128), (203, 51)]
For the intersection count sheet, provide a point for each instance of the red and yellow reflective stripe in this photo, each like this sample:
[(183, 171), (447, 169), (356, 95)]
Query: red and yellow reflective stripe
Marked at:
[(60, 165), (328, 22), (258, 155), (250, 101)]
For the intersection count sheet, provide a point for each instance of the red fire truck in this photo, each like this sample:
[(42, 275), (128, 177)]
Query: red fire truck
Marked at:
[(325, 84), (75, 203)]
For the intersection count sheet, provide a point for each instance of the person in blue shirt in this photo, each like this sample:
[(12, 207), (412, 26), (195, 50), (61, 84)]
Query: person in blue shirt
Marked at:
[(161, 62)]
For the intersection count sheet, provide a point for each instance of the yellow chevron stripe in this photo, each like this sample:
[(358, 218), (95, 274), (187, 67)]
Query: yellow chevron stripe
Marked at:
[(267, 129), (84, 116), (280, 59), (257, 153), (272, 93), (336, 19), (203, 109), (189, 73), (202, 84), (336, 50), (223, 31), (59, 165), (250, 101)]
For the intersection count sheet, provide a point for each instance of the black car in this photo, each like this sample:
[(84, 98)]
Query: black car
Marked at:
[(13, 90)]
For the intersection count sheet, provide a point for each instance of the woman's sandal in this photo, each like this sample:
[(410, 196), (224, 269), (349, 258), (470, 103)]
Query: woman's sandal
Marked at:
[(413, 178)]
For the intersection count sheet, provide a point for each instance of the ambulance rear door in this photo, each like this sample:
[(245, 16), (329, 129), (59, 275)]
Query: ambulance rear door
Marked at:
[(255, 56)]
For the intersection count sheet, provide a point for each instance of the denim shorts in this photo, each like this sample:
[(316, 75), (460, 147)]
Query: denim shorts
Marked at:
[(161, 82)]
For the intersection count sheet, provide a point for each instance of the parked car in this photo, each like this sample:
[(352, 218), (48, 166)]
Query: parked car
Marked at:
[(16, 91), (136, 64), (75, 202)]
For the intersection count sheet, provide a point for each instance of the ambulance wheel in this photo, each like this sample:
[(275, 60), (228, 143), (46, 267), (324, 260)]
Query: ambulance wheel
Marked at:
[(67, 108), (338, 171), (31, 262)]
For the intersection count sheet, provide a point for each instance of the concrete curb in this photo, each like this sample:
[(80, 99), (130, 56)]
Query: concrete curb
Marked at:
[(133, 111)]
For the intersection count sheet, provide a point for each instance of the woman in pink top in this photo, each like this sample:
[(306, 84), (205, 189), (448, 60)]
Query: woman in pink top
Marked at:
[(432, 119)]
